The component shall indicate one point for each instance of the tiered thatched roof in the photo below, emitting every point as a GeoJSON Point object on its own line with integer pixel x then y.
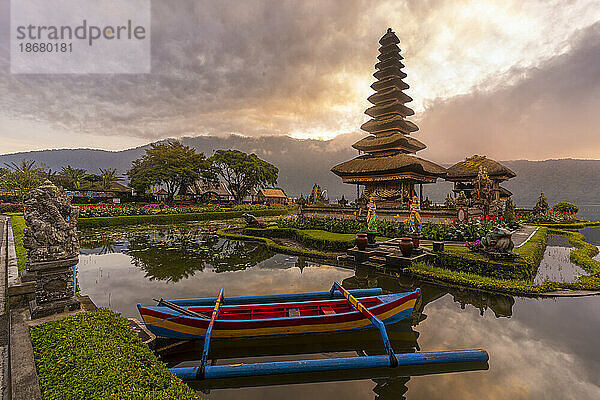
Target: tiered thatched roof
{"type": "Point", "coordinates": [390, 142]}
{"type": "Point", "coordinates": [379, 167]}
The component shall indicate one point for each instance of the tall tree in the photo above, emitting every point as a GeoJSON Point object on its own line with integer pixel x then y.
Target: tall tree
{"type": "Point", "coordinates": [170, 164]}
{"type": "Point", "coordinates": [243, 172]}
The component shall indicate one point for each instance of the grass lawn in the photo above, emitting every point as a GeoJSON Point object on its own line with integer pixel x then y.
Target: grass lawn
{"type": "Point", "coordinates": [96, 355]}
{"type": "Point", "coordinates": [18, 226]}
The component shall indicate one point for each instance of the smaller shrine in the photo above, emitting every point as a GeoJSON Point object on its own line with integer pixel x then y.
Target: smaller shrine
{"type": "Point", "coordinates": [318, 195]}
{"type": "Point", "coordinates": [468, 176]}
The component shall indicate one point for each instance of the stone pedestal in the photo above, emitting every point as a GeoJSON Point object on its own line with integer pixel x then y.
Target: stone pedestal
{"type": "Point", "coordinates": [54, 289]}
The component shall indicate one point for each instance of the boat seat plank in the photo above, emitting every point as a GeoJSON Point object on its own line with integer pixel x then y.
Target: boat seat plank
{"type": "Point", "coordinates": [328, 310]}
{"type": "Point", "coordinates": [294, 312]}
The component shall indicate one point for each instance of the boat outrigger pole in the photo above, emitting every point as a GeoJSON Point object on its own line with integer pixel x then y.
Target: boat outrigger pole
{"type": "Point", "coordinates": [213, 318]}
{"type": "Point", "coordinates": [358, 306]}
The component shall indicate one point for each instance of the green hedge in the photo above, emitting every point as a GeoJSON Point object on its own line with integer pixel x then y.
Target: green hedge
{"type": "Point", "coordinates": [171, 218]}
{"type": "Point", "coordinates": [572, 226]}
{"type": "Point", "coordinates": [314, 238]}
{"type": "Point", "coordinates": [460, 258]}
{"type": "Point", "coordinates": [96, 355]}
{"type": "Point", "coordinates": [232, 234]}
{"type": "Point", "coordinates": [508, 286]}
{"type": "Point", "coordinates": [531, 252]}
{"type": "Point", "coordinates": [18, 227]}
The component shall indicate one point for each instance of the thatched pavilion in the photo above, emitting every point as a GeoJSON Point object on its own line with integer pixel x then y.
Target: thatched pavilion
{"type": "Point", "coordinates": [464, 174]}
{"type": "Point", "coordinates": [389, 170]}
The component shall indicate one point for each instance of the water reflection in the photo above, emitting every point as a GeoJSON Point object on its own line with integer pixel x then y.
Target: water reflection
{"type": "Point", "coordinates": [538, 349]}
{"type": "Point", "coordinates": [173, 254]}
{"type": "Point", "coordinates": [500, 305]}
{"type": "Point", "coordinates": [556, 266]}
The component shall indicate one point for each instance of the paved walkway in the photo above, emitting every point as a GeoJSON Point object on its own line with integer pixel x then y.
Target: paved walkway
{"type": "Point", "coordinates": [523, 234]}
{"type": "Point", "coordinates": [520, 237]}
{"type": "Point", "coordinates": [3, 314]}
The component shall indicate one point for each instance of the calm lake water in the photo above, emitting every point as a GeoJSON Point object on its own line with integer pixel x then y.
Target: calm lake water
{"type": "Point", "coordinates": [539, 349]}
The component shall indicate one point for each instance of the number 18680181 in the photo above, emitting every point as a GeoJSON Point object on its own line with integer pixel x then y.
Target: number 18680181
{"type": "Point", "coordinates": [46, 47]}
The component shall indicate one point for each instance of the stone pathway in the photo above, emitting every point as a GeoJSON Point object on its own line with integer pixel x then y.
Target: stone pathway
{"type": "Point", "coordinates": [523, 234]}
{"type": "Point", "coordinates": [3, 314]}
{"type": "Point", "coordinates": [520, 237]}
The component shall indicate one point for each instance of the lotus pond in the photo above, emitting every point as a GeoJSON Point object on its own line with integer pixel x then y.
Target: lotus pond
{"type": "Point", "coordinates": [539, 348]}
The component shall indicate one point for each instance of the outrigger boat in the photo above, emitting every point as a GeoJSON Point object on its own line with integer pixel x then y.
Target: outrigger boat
{"type": "Point", "coordinates": [286, 314]}
{"type": "Point", "coordinates": [190, 320]}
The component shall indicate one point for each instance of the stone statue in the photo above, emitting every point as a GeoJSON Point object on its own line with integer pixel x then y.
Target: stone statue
{"type": "Point", "coordinates": [414, 219]}
{"type": "Point", "coordinates": [496, 207]}
{"type": "Point", "coordinates": [50, 238]}
{"type": "Point", "coordinates": [462, 199]}
{"type": "Point", "coordinates": [371, 216]}
{"type": "Point", "coordinates": [51, 225]}
{"type": "Point", "coordinates": [498, 240]}
{"type": "Point", "coordinates": [252, 222]}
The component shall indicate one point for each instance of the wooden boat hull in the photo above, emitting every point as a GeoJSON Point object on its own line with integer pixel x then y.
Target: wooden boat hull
{"type": "Point", "coordinates": [165, 322]}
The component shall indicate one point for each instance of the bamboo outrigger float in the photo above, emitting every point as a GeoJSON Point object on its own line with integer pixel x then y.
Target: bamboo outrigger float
{"type": "Point", "coordinates": [248, 316]}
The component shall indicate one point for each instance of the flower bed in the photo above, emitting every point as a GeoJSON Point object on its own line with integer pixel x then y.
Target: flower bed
{"type": "Point", "coordinates": [109, 210]}
{"type": "Point", "coordinates": [177, 217]}
{"type": "Point", "coordinates": [471, 231]}
{"type": "Point", "coordinates": [549, 217]}
{"type": "Point", "coordinates": [96, 355]}
{"type": "Point", "coordinates": [10, 208]}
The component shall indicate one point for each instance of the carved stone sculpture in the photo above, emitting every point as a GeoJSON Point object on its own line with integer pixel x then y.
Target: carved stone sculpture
{"type": "Point", "coordinates": [51, 225]}
{"type": "Point", "coordinates": [498, 243]}
{"type": "Point", "coordinates": [253, 222]}
{"type": "Point", "coordinates": [50, 237]}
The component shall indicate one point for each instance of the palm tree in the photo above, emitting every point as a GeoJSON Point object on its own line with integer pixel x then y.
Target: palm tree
{"type": "Point", "coordinates": [109, 177]}
{"type": "Point", "coordinates": [22, 177]}
{"type": "Point", "coordinates": [75, 175]}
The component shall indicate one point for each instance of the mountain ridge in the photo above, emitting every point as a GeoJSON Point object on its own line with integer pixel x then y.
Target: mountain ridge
{"type": "Point", "coordinates": [303, 162]}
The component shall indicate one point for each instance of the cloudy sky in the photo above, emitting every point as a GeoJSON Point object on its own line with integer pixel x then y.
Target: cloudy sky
{"type": "Point", "coordinates": [510, 79]}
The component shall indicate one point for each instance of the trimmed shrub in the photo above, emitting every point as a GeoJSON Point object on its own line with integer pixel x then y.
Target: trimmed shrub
{"type": "Point", "coordinates": [96, 355]}
{"type": "Point", "coordinates": [11, 208]}
{"type": "Point", "coordinates": [563, 206]}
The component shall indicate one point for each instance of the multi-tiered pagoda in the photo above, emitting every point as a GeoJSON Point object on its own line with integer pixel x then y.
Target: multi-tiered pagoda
{"type": "Point", "coordinates": [388, 170]}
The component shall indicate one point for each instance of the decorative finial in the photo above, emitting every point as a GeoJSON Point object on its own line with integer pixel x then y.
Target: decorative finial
{"type": "Point", "coordinates": [389, 30]}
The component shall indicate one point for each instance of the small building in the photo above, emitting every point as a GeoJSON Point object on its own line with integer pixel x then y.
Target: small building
{"type": "Point", "coordinates": [210, 191]}
{"type": "Point", "coordinates": [464, 175]}
{"type": "Point", "coordinates": [271, 196]}
{"type": "Point", "coordinates": [161, 195]}
{"type": "Point", "coordinates": [116, 193]}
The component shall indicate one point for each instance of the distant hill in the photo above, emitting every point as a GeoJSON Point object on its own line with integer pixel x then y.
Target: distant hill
{"type": "Point", "coordinates": [302, 163]}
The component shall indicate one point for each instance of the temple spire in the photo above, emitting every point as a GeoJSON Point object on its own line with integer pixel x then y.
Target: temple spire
{"type": "Point", "coordinates": [388, 170]}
